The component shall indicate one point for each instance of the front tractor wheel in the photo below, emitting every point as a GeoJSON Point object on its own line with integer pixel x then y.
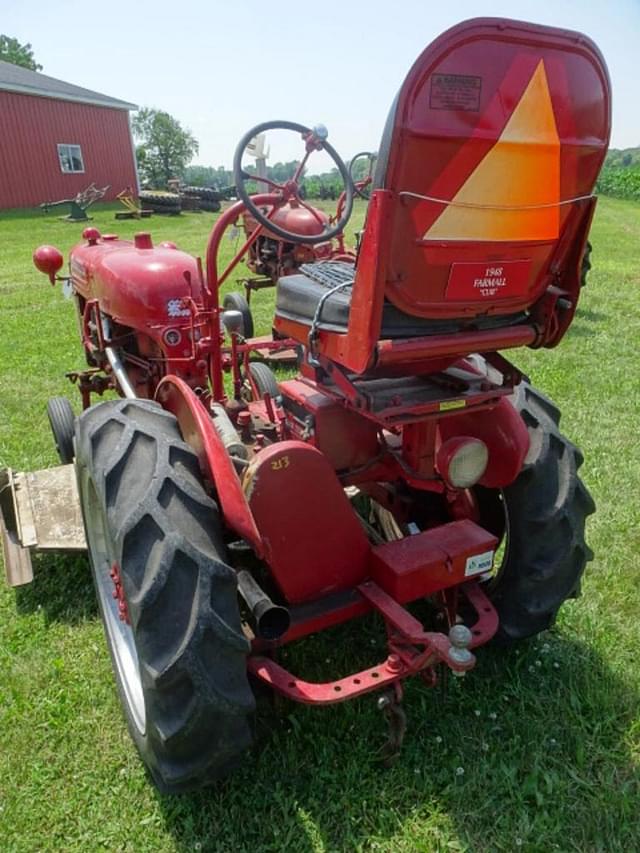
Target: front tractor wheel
{"type": "Point", "coordinates": [541, 518]}
{"type": "Point", "coordinates": [167, 597]}
{"type": "Point", "coordinates": [62, 422]}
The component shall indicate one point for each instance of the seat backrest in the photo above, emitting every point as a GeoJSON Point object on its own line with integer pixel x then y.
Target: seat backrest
{"type": "Point", "coordinates": [491, 152]}
{"type": "Point", "coordinates": [483, 196]}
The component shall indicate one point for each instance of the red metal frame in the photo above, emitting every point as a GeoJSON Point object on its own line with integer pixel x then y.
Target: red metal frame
{"type": "Point", "coordinates": [412, 651]}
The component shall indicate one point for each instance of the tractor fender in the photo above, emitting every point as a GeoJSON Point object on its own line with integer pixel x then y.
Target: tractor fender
{"type": "Point", "coordinates": [201, 435]}
{"type": "Point", "coordinates": [503, 431]}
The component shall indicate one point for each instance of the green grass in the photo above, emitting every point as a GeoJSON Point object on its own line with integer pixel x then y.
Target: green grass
{"type": "Point", "coordinates": [547, 735]}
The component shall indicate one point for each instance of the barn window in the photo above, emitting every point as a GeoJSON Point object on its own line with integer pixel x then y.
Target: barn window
{"type": "Point", "coordinates": [70, 157]}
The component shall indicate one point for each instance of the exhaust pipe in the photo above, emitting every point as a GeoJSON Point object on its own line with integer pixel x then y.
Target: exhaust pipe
{"type": "Point", "coordinates": [270, 620]}
{"type": "Point", "coordinates": [120, 373]}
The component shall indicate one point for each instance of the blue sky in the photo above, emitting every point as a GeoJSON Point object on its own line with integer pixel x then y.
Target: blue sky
{"type": "Point", "coordinates": [221, 67]}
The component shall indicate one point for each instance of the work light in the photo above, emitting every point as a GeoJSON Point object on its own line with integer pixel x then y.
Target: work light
{"type": "Point", "coordinates": [462, 461]}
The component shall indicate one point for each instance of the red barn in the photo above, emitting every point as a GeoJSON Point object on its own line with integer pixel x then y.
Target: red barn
{"type": "Point", "coordinates": [56, 139]}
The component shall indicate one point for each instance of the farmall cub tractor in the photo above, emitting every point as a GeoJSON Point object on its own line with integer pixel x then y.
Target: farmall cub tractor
{"type": "Point", "coordinates": [408, 459]}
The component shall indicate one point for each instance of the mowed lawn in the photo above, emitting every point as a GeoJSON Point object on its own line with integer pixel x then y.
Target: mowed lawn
{"type": "Point", "coordinates": [538, 749]}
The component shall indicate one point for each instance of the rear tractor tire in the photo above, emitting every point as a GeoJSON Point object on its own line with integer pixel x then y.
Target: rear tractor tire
{"type": "Point", "coordinates": [62, 421]}
{"type": "Point", "coordinates": [209, 206]}
{"type": "Point", "coordinates": [542, 515]}
{"type": "Point", "coordinates": [173, 628]}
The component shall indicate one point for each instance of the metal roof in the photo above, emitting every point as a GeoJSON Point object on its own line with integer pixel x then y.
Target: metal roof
{"type": "Point", "coordinates": [14, 78]}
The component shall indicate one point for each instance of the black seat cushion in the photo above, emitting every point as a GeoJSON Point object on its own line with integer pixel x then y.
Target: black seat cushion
{"type": "Point", "coordinates": [298, 297]}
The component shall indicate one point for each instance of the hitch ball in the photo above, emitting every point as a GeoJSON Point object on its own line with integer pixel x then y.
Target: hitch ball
{"type": "Point", "coordinates": [460, 638]}
{"type": "Point", "coordinates": [48, 260]}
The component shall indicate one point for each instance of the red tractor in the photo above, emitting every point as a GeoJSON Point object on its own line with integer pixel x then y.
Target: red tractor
{"type": "Point", "coordinates": [408, 460]}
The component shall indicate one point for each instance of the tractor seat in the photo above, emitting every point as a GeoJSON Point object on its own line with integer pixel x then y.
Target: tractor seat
{"type": "Point", "coordinates": [298, 296]}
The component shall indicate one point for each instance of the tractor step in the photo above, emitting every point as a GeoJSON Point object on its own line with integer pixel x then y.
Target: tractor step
{"type": "Point", "coordinates": [403, 399]}
{"type": "Point", "coordinates": [39, 510]}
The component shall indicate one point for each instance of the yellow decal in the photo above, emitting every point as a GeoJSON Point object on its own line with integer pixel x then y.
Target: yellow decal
{"type": "Point", "coordinates": [452, 404]}
{"type": "Point", "coordinates": [513, 193]}
{"type": "Point", "coordinates": [279, 464]}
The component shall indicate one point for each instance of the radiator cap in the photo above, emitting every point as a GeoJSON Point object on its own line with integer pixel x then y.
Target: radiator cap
{"type": "Point", "coordinates": [142, 240]}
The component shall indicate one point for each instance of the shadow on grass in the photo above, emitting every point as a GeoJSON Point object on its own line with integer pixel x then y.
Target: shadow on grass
{"type": "Point", "coordinates": [531, 751]}
{"type": "Point", "coordinates": [591, 316]}
{"type": "Point", "coordinates": [527, 752]}
{"type": "Point", "coordinates": [581, 326]}
{"type": "Point", "coordinates": [579, 331]}
{"type": "Point", "coordinates": [62, 589]}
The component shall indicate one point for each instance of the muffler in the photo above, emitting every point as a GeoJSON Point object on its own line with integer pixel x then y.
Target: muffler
{"type": "Point", "coordinates": [270, 621]}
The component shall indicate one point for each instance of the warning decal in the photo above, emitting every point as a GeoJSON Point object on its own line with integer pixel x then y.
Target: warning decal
{"type": "Point", "coordinates": [455, 92]}
{"type": "Point", "coordinates": [472, 282]}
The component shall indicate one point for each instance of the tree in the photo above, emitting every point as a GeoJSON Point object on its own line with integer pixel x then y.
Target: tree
{"type": "Point", "coordinates": [18, 54]}
{"type": "Point", "coordinates": [207, 176]}
{"type": "Point", "coordinates": [165, 147]}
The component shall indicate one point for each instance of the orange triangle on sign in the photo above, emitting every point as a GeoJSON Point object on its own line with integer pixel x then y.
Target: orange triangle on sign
{"type": "Point", "coordinates": [504, 197]}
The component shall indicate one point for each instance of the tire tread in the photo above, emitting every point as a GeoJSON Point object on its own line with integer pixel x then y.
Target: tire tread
{"type": "Point", "coordinates": [167, 530]}
{"type": "Point", "coordinates": [547, 506]}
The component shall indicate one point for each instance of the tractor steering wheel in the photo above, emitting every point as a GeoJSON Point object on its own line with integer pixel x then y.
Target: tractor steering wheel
{"type": "Point", "coordinates": [360, 187]}
{"type": "Point", "coordinates": [314, 140]}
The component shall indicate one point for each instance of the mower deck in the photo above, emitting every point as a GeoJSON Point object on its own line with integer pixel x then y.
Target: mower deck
{"type": "Point", "coordinates": [259, 346]}
{"type": "Point", "coordinates": [39, 510]}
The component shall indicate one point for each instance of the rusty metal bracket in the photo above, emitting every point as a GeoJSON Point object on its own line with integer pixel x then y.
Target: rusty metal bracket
{"type": "Point", "coordinates": [389, 704]}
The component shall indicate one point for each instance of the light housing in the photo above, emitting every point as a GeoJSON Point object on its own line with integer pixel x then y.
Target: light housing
{"type": "Point", "coordinates": [232, 321]}
{"type": "Point", "coordinates": [48, 260]}
{"type": "Point", "coordinates": [462, 461]}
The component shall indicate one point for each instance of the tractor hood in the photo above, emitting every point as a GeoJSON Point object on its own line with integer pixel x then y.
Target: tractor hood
{"type": "Point", "coordinates": [295, 218]}
{"type": "Point", "coordinates": [135, 281]}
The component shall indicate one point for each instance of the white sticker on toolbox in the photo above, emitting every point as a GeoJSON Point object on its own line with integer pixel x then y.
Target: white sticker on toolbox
{"type": "Point", "coordinates": [478, 564]}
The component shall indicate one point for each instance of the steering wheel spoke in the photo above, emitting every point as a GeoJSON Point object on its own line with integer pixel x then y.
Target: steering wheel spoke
{"type": "Point", "coordinates": [311, 210]}
{"type": "Point", "coordinates": [247, 176]}
{"type": "Point", "coordinates": [300, 170]}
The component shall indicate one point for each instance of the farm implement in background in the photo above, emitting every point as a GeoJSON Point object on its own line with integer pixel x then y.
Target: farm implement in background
{"type": "Point", "coordinates": [78, 205]}
{"type": "Point", "coordinates": [132, 208]}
